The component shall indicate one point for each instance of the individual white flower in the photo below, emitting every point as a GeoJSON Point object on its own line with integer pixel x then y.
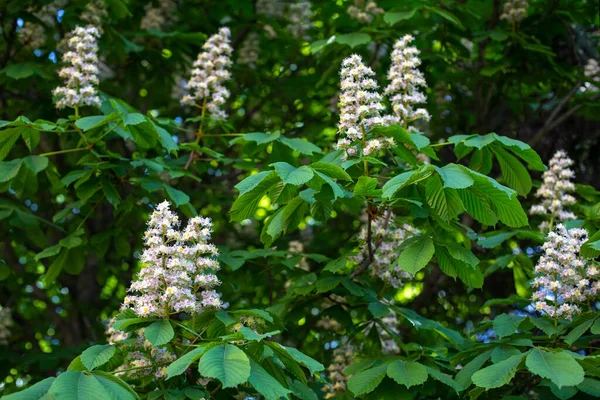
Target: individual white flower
{"type": "Point", "coordinates": [342, 357]}
{"type": "Point", "coordinates": [364, 11]}
{"type": "Point", "coordinates": [555, 190]}
{"type": "Point", "coordinates": [160, 17]}
{"type": "Point", "coordinates": [299, 15]}
{"type": "Point", "coordinates": [514, 11]}
{"type": "Point", "coordinates": [249, 50]}
{"type": "Point", "coordinates": [81, 76]}
{"type": "Point", "coordinates": [564, 280]}
{"type": "Point", "coordinates": [6, 323]}
{"type": "Point", "coordinates": [386, 236]}
{"type": "Point", "coordinates": [360, 106]}
{"type": "Point", "coordinates": [211, 71]}
{"type": "Point", "coordinates": [179, 268]}
{"type": "Point", "coordinates": [94, 13]}
{"type": "Point", "coordinates": [405, 81]}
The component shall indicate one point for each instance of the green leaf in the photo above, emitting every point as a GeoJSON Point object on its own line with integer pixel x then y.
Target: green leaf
{"type": "Point", "coordinates": [226, 363]}
{"type": "Point", "coordinates": [407, 373]}
{"type": "Point", "coordinates": [445, 202]}
{"type": "Point", "coordinates": [225, 318]}
{"type": "Point", "coordinates": [9, 169]}
{"type": "Point", "coordinates": [36, 163]}
{"type": "Point", "coordinates": [407, 178]}
{"type": "Point", "coordinates": [353, 39]}
{"type": "Point", "coordinates": [596, 327]}
{"type": "Point", "coordinates": [77, 385]}
{"type": "Point", "coordinates": [506, 325]}
{"type": "Point", "coordinates": [366, 186]}
{"type": "Point", "coordinates": [313, 365]}
{"type": "Point", "coordinates": [97, 355]}
{"type": "Point", "coordinates": [463, 377]}
{"type": "Point", "coordinates": [37, 391]}
{"type": "Point", "coordinates": [252, 181]}
{"type": "Point", "coordinates": [578, 331]}
{"type": "Point", "coordinates": [71, 241]}
{"type": "Point", "coordinates": [301, 146]}
{"type": "Point", "coordinates": [504, 352]}
{"type": "Point", "coordinates": [417, 255]}
{"type": "Point", "coordinates": [177, 196]}
{"type": "Point", "coordinates": [561, 368]}
{"type": "Point", "coordinates": [590, 386]}
{"type": "Point", "coordinates": [448, 16]}
{"type": "Point", "coordinates": [513, 171]}
{"type": "Point", "coordinates": [499, 374]}
{"type": "Point", "coordinates": [366, 381]}
{"type": "Point", "coordinates": [292, 175]}
{"type": "Point", "coordinates": [337, 189]}
{"type": "Point", "coordinates": [252, 335]}
{"type": "Point", "coordinates": [302, 391]}
{"type": "Point", "coordinates": [31, 137]}
{"type": "Point", "coordinates": [159, 333]}
{"type": "Point", "coordinates": [133, 119]}
{"type": "Point", "coordinates": [331, 170]}
{"type": "Point", "coordinates": [444, 378]}
{"type": "Point", "coordinates": [547, 326]}
{"type": "Point", "coordinates": [455, 177]}
{"type": "Point", "coordinates": [24, 70]}
{"type": "Point", "coordinates": [245, 205]}
{"type": "Point", "coordinates": [87, 123]}
{"type": "Point", "coordinates": [180, 365]}
{"type": "Point", "coordinates": [391, 18]}
{"type": "Point", "coordinates": [378, 310]}
{"type": "Point", "coordinates": [265, 384]}
{"type": "Point", "coordinates": [490, 241]}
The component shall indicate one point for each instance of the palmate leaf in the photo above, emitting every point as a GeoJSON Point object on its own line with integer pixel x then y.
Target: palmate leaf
{"type": "Point", "coordinates": [34, 392]}
{"type": "Point", "coordinates": [227, 363]}
{"type": "Point", "coordinates": [499, 374]}
{"type": "Point", "coordinates": [97, 356]}
{"type": "Point", "coordinates": [506, 325]}
{"type": "Point", "coordinates": [366, 381]}
{"type": "Point", "coordinates": [417, 255]}
{"type": "Point", "coordinates": [77, 385]}
{"type": "Point", "coordinates": [515, 174]}
{"type": "Point", "coordinates": [245, 205]}
{"type": "Point", "coordinates": [561, 368]}
{"type": "Point", "coordinates": [504, 149]}
{"type": "Point", "coordinates": [159, 333]}
{"type": "Point", "coordinates": [407, 373]}
{"type": "Point", "coordinates": [445, 201]}
{"type": "Point", "coordinates": [265, 383]}
{"type": "Point", "coordinates": [464, 376]}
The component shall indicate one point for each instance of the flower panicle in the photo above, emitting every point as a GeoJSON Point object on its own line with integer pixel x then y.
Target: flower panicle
{"type": "Point", "coordinates": [81, 76]}
{"type": "Point", "coordinates": [361, 108]}
{"type": "Point", "coordinates": [180, 268]}
{"type": "Point", "coordinates": [386, 236]}
{"type": "Point", "coordinates": [364, 11]}
{"type": "Point", "coordinates": [564, 280]}
{"type": "Point", "coordinates": [405, 82]}
{"type": "Point", "coordinates": [554, 192]}
{"type": "Point", "coordinates": [514, 11]}
{"type": "Point", "coordinates": [210, 73]}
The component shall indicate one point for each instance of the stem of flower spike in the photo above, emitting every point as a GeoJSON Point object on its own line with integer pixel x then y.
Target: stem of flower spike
{"type": "Point", "coordinates": [199, 135]}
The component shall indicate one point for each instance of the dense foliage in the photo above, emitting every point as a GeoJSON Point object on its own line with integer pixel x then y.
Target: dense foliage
{"type": "Point", "coordinates": [329, 199]}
